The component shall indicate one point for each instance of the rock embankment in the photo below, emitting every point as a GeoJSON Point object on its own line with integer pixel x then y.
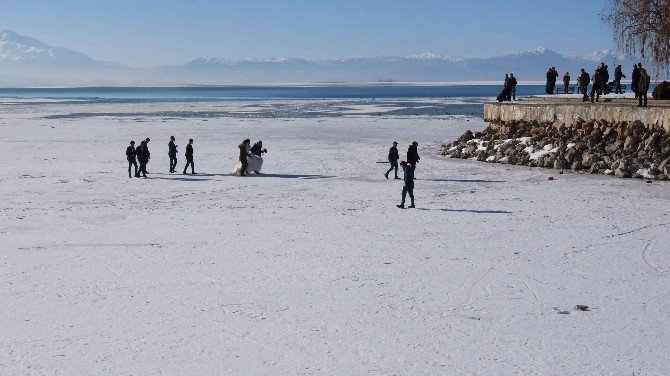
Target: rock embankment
{"type": "Point", "coordinates": [622, 149]}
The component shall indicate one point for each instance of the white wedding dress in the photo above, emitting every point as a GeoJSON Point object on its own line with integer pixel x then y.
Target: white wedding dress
{"type": "Point", "coordinates": [255, 163]}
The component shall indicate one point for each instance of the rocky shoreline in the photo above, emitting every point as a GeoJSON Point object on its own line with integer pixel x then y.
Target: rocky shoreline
{"type": "Point", "coordinates": [622, 149]}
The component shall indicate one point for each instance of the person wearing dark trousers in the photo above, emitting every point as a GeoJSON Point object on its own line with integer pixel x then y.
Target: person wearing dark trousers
{"type": "Point", "coordinates": [597, 87]}
{"type": "Point", "coordinates": [512, 86]}
{"type": "Point", "coordinates": [146, 147]}
{"type": "Point", "coordinates": [618, 75]}
{"type": "Point", "coordinates": [566, 82]}
{"type": "Point", "coordinates": [243, 156]}
{"type": "Point", "coordinates": [643, 87]}
{"type": "Point", "coordinates": [408, 188]}
{"type": "Point", "coordinates": [132, 160]}
{"type": "Point", "coordinates": [143, 157]}
{"type": "Point", "coordinates": [413, 154]}
{"type": "Point", "coordinates": [172, 153]}
{"type": "Point", "coordinates": [189, 157]}
{"type": "Point", "coordinates": [584, 80]}
{"type": "Point", "coordinates": [635, 79]}
{"type": "Point", "coordinates": [393, 160]}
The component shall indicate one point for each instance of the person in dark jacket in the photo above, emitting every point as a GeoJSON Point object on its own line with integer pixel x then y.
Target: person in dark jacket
{"type": "Point", "coordinates": [552, 75]}
{"type": "Point", "coordinates": [132, 160]}
{"type": "Point", "coordinates": [598, 84]}
{"type": "Point", "coordinates": [618, 75]}
{"type": "Point", "coordinates": [143, 157]}
{"type": "Point", "coordinates": [189, 157]}
{"type": "Point", "coordinates": [512, 86]}
{"type": "Point", "coordinates": [643, 87]}
{"type": "Point", "coordinates": [566, 81]}
{"type": "Point", "coordinates": [172, 153]}
{"type": "Point", "coordinates": [584, 80]}
{"type": "Point", "coordinates": [408, 188]}
{"type": "Point", "coordinates": [605, 72]}
{"type": "Point", "coordinates": [243, 156]}
{"type": "Point", "coordinates": [393, 160]}
{"type": "Point", "coordinates": [635, 79]}
{"type": "Point", "coordinates": [146, 147]}
{"type": "Point", "coordinates": [257, 149]}
{"type": "Point", "coordinates": [413, 154]}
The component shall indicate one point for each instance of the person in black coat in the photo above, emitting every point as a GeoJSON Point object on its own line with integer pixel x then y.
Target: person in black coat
{"type": "Point", "coordinates": [393, 160]}
{"type": "Point", "coordinates": [243, 156]}
{"type": "Point", "coordinates": [132, 160]}
{"type": "Point", "coordinates": [172, 153]}
{"type": "Point", "coordinates": [143, 157]}
{"type": "Point", "coordinates": [598, 84]}
{"type": "Point", "coordinates": [413, 154]}
{"type": "Point", "coordinates": [257, 149]}
{"type": "Point", "coordinates": [584, 80]}
{"type": "Point", "coordinates": [146, 147]}
{"type": "Point", "coordinates": [635, 78]}
{"type": "Point", "coordinates": [512, 86]}
{"type": "Point", "coordinates": [408, 188]}
{"type": "Point", "coordinates": [189, 157]}
{"type": "Point", "coordinates": [618, 75]}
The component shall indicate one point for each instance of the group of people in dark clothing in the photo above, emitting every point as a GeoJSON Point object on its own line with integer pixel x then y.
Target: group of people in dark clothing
{"type": "Point", "coordinates": [250, 158]}
{"type": "Point", "coordinates": [142, 155]}
{"type": "Point", "coordinates": [408, 168]}
{"type": "Point", "coordinates": [509, 89]}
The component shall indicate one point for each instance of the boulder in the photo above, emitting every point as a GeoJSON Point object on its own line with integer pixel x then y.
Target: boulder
{"type": "Point", "coordinates": [662, 91]}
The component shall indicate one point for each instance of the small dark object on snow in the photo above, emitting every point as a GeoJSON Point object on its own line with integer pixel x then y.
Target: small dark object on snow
{"type": "Point", "coordinates": [580, 307]}
{"type": "Point", "coordinates": [649, 181]}
{"type": "Point", "coordinates": [550, 178]}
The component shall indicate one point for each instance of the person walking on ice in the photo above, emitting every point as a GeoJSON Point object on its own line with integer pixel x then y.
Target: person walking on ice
{"type": "Point", "coordinates": [408, 188]}
{"type": "Point", "coordinates": [132, 159]}
{"type": "Point", "coordinates": [393, 160]}
{"type": "Point", "coordinates": [189, 157]}
{"type": "Point", "coordinates": [172, 153]}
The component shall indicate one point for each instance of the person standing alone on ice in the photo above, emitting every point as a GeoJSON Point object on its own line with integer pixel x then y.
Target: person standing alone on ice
{"type": "Point", "coordinates": [408, 188]}
{"type": "Point", "coordinates": [189, 157]}
{"type": "Point", "coordinates": [172, 153]}
{"type": "Point", "coordinates": [393, 160]}
{"type": "Point", "coordinates": [244, 153]}
{"type": "Point", "coordinates": [132, 160]}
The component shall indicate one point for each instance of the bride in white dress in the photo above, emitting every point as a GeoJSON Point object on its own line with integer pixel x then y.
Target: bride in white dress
{"type": "Point", "coordinates": [253, 156]}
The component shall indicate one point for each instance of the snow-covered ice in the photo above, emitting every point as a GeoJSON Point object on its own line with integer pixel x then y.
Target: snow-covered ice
{"type": "Point", "coordinates": [311, 269]}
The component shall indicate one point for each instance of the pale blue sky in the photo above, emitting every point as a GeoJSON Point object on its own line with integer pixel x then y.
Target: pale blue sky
{"type": "Point", "coordinates": [157, 32]}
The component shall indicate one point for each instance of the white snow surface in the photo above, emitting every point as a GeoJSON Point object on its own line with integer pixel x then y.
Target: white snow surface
{"type": "Point", "coordinates": [310, 269]}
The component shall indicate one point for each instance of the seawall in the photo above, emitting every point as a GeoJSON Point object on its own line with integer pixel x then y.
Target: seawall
{"type": "Point", "coordinates": [568, 112]}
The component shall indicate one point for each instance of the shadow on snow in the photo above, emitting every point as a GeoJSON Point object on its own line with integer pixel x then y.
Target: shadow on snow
{"type": "Point", "coordinates": [471, 211]}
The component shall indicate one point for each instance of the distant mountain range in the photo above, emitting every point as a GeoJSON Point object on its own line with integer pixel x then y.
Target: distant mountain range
{"type": "Point", "coordinates": [27, 62]}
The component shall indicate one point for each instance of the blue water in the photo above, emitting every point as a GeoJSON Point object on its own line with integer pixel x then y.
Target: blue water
{"type": "Point", "coordinates": [207, 93]}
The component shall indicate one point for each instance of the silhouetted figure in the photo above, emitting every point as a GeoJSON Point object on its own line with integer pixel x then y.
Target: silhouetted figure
{"type": "Point", "coordinates": [512, 85]}
{"type": "Point", "coordinates": [189, 157]}
{"type": "Point", "coordinates": [584, 80]}
{"type": "Point", "coordinates": [393, 160]}
{"type": "Point", "coordinates": [643, 87]}
{"type": "Point", "coordinates": [243, 156]}
{"type": "Point", "coordinates": [172, 153]}
{"type": "Point", "coordinates": [635, 80]}
{"type": "Point", "coordinates": [146, 147]}
{"type": "Point", "coordinates": [598, 84]}
{"type": "Point", "coordinates": [143, 157]}
{"type": "Point", "coordinates": [552, 75]}
{"type": "Point", "coordinates": [413, 154]}
{"type": "Point", "coordinates": [132, 160]}
{"type": "Point", "coordinates": [566, 81]}
{"type": "Point", "coordinates": [408, 188]}
{"type": "Point", "coordinates": [257, 157]}
{"type": "Point", "coordinates": [618, 75]}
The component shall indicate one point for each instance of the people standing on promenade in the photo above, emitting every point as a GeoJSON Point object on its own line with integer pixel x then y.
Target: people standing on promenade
{"type": "Point", "coordinates": [606, 74]}
{"type": "Point", "coordinates": [393, 160]}
{"type": "Point", "coordinates": [512, 85]}
{"type": "Point", "coordinates": [143, 157]}
{"type": "Point", "coordinates": [635, 78]}
{"type": "Point", "coordinates": [131, 157]}
{"type": "Point", "coordinates": [413, 154]}
{"type": "Point", "coordinates": [618, 75]}
{"type": "Point", "coordinates": [408, 188]}
{"type": "Point", "coordinates": [566, 81]}
{"type": "Point", "coordinates": [172, 153]}
{"type": "Point", "coordinates": [189, 157]}
{"type": "Point", "coordinates": [584, 80]}
{"type": "Point", "coordinates": [643, 87]}
{"type": "Point", "coordinates": [552, 75]}
{"type": "Point", "coordinates": [146, 147]}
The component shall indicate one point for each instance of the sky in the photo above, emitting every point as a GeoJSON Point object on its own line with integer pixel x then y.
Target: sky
{"type": "Point", "coordinates": [164, 32]}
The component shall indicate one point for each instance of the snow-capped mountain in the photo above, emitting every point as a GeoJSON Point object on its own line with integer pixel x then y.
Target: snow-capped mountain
{"type": "Point", "coordinates": [19, 49]}
{"type": "Point", "coordinates": [26, 61]}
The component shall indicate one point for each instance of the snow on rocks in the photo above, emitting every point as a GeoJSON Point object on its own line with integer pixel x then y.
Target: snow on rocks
{"type": "Point", "coordinates": [626, 150]}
